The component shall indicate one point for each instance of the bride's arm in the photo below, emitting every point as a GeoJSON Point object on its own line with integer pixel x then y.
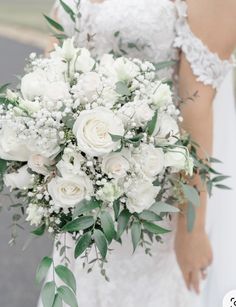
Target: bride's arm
{"type": "Point", "coordinates": [214, 22]}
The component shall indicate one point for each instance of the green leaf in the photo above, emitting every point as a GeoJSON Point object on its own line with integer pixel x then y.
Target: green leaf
{"type": "Point", "coordinates": [152, 124]}
{"type": "Point", "coordinates": [83, 243]}
{"type": "Point", "coordinates": [116, 208]}
{"type": "Point", "coordinates": [161, 207]}
{"type": "Point", "coordinates": [116, 138]}
{"type": "Point", "coordinates": [153, 228]}
{"type": "Point", "coordinates": [149, 216]}
{"type": "Point", "coordinates": [3, 88]}
{"type": "Point", "coordinates": [54, 24]}
{"type": "Point", "coordinates": [214, 160]}
{"type": "Point", "coordinates": [80, 223]}
{"type": "Point", "coordinates": [220, 178]}
{"type": "Point", "coordinates": [165, 64]}
{"type": "Point", "coordinates": [101, 242]}
{"type": "Point", "coordinates": [57, 301]}
{"type": "Point", "coordinates": [66, 276]}
{"type": "Point", "coordinates": [3, 166]}
{"type": "Point", "coordinates": [123, 221]}
{"type": "Point", "coordinates": [191, 216]}
{"type": "Point", "coordinates": [42, 269]}
{"type": "Point", "coordinates": [68, 296]}
{"type": "Point", "coordinates": [39, 231]}
{"type": "Point", "coordinates": [69, 121]}
{"type": "Point", "coordinates": [108, 226]}
{"type": "Point", "coordinates": [48, 294]}
{"type": "Point", "coordinates": [68, 10]}
{"type": "Point", "coordinates": [223, 187]}
{"type": "Point", "coordinates": [86, 206]}
{"type": "Point", "coordinates": [136, 234]}
{"type": "Point", "coordinates": [191, 194]}
{"type": "Point", "coordinates": [122, 89]}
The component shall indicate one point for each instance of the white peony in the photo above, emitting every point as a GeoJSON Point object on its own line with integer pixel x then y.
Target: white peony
{"type": "Point", "coordinates": [162, 96]}
{"type": "Point", "coordinates": [178, 159]}
{"type": "Point", "coordinates": [116, 164]}
{"type": "Point", "coordinates": [150, 159]}
{"type": "Point", "coordinates": [34, 84]}
{"type": "Point", "coordinates": [110, 192]}
{"type": "Point", "coordinates": [84, 62]}
{"type": "Point", "coordinates": [166, 130]}
{"type": "Point", "coordinates": [11, 148]}
{"type": "Point", "coordinates": [38, 164]}
{"type": "Point", "coordinates": [141, 195]}
{"type": "Point", "coordinates": [34, 214]}
{"type": "Point", "coordinates": [22, 179]}
{"type": "Point", "coordinates": [93, 129]}
{"type": "Point", "coordinates": [138, 112]}
{"type": "Point", "coordinates": [67, 191]}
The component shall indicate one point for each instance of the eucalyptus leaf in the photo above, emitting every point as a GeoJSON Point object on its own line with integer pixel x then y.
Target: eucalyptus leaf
{"type": "Point", "coordinates": [48, 294]}
{"type": "Point", "coordinates": [191, 216]}
{"type": "Point", "coordinates": [162, 207]}
{"type": "Point", "coordinates": [165, 64]}
{"type": "Point", "coordinates": [42, 269]}
{"type": "Point", "coordinates": [54, 23]}
{"type": "Point", "coordinates": [122, 89]}
{"type": "Point", "coordinates": [153, 228]}
{"type": "Point", "coordinates": [68, 10]}
{"type": "Point", "coordinates": [40, 230]}
{"type": "Point", "coordinates": [101, 242]}
{"type": "Point", "coordinates": [222, 186]}
{"type": "Point", "coordinates": [220, 178]}
{"type": "Point", "coordinates": [86, 206]}
{"type": "Point", "coordinates": [108, 226]}
{"type": "Point", "coordinates": [149, 216]}
{"type": "Point", "coordinates": [116, 208]}
{"type": "Point", "coordinates": [57, 301]}
{"type": "Point", "coordinates": [3, 166]}
{"type": "Point", "coordinates": [67, 296]}
{"type": "Point", "coordinates": [116, 138]}
{"type": "Point", "coordinates": [66, 276]}
{"type": "Point", "coordinates": [3, 88]}
{"type": "Point", "coordinates": [191, 194]}
{"type": "Point", "coordinates": [152, 124]}
{"type": "Point", "coordinates": [83, 243]}
{"type": "Point", "coordinates": [123, 221]}
{"type": "Point", "coordinates": [136, 234]}
{"type": "Point", "coordinates": [80, 223]}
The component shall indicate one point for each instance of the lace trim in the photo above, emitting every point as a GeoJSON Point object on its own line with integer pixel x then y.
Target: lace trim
{"type": "Point", "coordinates": [206, 65]}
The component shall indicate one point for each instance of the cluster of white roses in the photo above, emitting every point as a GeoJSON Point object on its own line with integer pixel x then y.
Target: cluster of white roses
{"type": "Point", "coordinates": [82, 129]}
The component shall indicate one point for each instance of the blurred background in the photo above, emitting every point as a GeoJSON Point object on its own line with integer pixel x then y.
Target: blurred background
{"type": "Point", "coordinates": [22, 30]}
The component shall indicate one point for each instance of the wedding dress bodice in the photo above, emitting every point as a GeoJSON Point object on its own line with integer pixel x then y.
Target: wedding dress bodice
{"type": "Point", "coordinates": [145, 29]}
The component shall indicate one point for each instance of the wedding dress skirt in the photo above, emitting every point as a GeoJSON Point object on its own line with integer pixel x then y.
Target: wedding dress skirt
{"type": "Point", "coordinates": [157, 27]}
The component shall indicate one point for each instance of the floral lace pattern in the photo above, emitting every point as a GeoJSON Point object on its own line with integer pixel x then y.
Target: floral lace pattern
{"type": "Point", "coordinates": [206, 65]}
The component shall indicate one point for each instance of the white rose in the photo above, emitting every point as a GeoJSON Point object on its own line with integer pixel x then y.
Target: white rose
{"type": "Point", "coordinates": [57, 91]}
{"type": "Point", "coordinates": [178, 159]}
{"type": "Point", "coordinates": [34, 214]}
{"type": "Point", "coordinates": [162, 96]}
{"type": "Point", "coordinates": [34, 84]}
{"type": "Point", "coordinates": [38, 164]}
{"type": "Point", "coordinates": [67, 191]}
{"type": "Point", "coordinates": [141, 195]}
{"type": "Point", "coordinates": [125, 69]}
{"type": "Point", "coordinates": [116, 164]}
{"type": "Point", "coordinates": [110, 192]}
{"type": "Point", "coordinates": [150, 159]}
{"type": "Point", "coordinates": [19, 180]}
{"type": "Point", "coordinates": [93, 128]}
{"type": "Point", "coordinates": [88, 85]}
{"type": "Point", "coordinates": [166, 130]}
{"type": "Point", "coordinates": [139, 112]}
{"type": "Point", "coordinates": [10, 146]}
{"type": "Point", "coordinates": [71, 162]}
{"type": "Point", "coordinates": [84, 62]}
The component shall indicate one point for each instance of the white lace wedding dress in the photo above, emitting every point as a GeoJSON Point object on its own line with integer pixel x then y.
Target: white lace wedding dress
{"type": "Point", "coordinates": [151, 29]}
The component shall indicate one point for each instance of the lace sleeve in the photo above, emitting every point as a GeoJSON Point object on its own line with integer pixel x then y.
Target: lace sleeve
{"type": "Point", "coordinates": [206, 65]}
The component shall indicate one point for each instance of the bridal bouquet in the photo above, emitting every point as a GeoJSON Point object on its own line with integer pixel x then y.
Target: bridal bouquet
{"type": "Point", "coordinates": [93, 148]}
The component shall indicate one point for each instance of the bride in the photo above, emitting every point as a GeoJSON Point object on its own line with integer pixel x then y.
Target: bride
{"type": "Point", "coordinates": [201, 35]}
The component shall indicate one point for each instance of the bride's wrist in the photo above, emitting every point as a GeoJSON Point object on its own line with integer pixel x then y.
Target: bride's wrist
{"type": "Point", "coordinates": [182, 225]}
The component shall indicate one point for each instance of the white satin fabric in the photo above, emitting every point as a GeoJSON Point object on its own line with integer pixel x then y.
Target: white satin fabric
{"type": "Point", "coordinates": [139, 280]}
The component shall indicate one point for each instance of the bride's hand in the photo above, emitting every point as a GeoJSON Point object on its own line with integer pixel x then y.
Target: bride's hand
{"type": "Point", "coordinates": [194, 255]}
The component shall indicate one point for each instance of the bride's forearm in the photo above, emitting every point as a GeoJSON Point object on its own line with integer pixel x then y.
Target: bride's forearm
{"type": "Point", "coordinates": [198, 121]}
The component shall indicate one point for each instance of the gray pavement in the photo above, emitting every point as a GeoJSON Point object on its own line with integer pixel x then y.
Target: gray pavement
{"type": "Point", "coordinates": [17, 267]}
